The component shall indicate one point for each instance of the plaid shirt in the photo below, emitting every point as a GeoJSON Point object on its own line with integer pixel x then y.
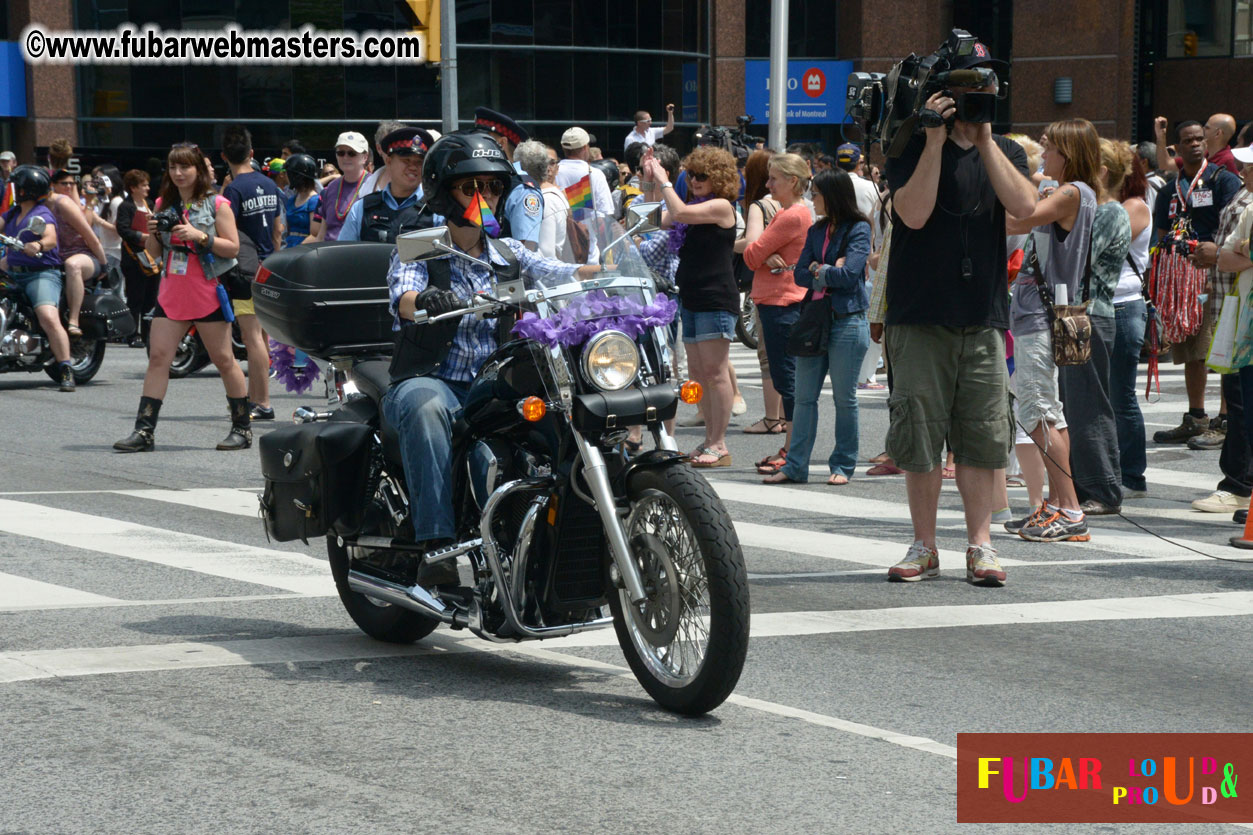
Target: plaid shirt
{"type": "Point", "coordinates": [1221, 282]}
{"type": "Point", "coordinates": [879, 290]}
{"type": "Point", "coordinates": [655, 250]}
{"type": "Point", "coordinates": [475, 338]}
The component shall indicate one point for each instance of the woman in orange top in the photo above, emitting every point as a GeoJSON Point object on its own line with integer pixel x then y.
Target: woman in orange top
{"type": "Point", "coordinates": [772, 256]}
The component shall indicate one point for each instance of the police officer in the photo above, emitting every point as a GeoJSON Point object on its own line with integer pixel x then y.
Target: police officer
{"type": "Point", "coordinates": [399, 207]}
{"type": "Point", "coordinates": [524, 205]}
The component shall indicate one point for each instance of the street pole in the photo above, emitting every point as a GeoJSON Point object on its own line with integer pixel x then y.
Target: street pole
{"type": "Point", "coordinates": [778, 75]}
{"type": "Point", "coordinates": [448, 64]}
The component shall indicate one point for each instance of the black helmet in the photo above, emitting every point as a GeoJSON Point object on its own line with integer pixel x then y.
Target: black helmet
{"type": "Point", "coordinates": [300, 165]}
{"type": "Point", "coordinates": [610, 169]}
{"type": "Point", "coordinates": [457, 155]}
{"type": "Point", "coordinates": [30, 182]}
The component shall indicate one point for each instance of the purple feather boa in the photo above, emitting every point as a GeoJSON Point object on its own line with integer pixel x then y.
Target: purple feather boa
{"type": "Point", "coordinates": [594, 313]}
{"type": "Point", "coordinates": [295, 380]}
{"type": "Point", "coordinates": [678, 231]}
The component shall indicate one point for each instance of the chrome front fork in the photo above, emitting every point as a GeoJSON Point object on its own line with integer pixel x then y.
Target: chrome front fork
{"type": "Point", "coordinates": [596, 474]}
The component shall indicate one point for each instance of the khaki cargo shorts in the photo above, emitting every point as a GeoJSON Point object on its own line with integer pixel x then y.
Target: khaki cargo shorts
{"type": "Point", "coordinates": [948, 383]}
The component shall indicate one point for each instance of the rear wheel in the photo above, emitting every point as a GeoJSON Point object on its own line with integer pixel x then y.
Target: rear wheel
{"type": "Point", "coordinates": [686, 642]}
{"type": "Point", "coordinates": [746, 325]}
{"type": "Point", "coordinates": [381, 621]}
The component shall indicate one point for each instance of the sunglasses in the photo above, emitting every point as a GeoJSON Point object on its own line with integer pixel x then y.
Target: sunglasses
{"type": "Point", "coordinates": [348, 153]}
{"type": "Point", "coordinates": [492, 187]}
{"type": "Point", "coordinates": [699, 178]}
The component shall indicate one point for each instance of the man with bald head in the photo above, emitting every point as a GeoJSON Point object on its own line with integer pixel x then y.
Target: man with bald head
{"type": "Point", "coordinates": [1219, 129]}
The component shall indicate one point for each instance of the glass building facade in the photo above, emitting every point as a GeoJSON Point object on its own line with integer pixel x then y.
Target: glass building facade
{"type": "Point", "coordinates": [547, 63]}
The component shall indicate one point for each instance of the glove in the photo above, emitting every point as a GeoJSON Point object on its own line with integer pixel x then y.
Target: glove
{"type": "Point", "coordinates": [437, 302]}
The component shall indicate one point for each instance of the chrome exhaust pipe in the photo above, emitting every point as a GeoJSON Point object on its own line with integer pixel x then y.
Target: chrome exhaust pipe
{"type": "Point", "coordinates": [415, 598]}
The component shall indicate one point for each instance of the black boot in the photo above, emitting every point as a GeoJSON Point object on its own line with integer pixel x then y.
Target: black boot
{"type": "Point", "coordinates": [241, 425]}
{"type": "Point", "coordinates": [145, 423]}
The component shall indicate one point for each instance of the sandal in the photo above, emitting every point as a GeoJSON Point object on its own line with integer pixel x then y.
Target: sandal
{"type": "Point", "coordinates": [766, 426]}
{"type": "Point", "coordinates": [633, 446]}
{"type": "Point", "coordinates": [837, 480]}
{"type": "Point", "coordinates": [881, 458]}
{"type": "Point", "coordinates": [948, 472]}
{"type": "Point", "coordinates": [884, 469]}
{"type": "Point", "coordinates": [771, 464]}
{"type": "Point", "coordinates": [74, 331]}
{"type": "Point", "coordinates": [720, 459]}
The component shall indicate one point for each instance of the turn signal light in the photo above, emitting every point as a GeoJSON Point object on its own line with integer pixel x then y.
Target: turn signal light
{"type": "Point", "coordinates": [533, 409]}
{"type": "Point", "coordinates": [691, 392]}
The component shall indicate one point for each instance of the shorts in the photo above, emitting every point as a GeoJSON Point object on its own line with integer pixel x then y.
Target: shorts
{"type": "Point", "coordinates": [216, 316]}
{"type": "Point", "coordinates": [96, 266]}
{"type": "Point", "coordinates": [42, 287]}
{"type": "Point", "coordinates": [948, 382]}
{"type": "Point", "coordinates": [243, 307]}
{"type": "Point", "coordinates": [1035, 381]}
{"type": "Point", "coordinates": [704, 325]}
{"type": "Point", "coordinates": [1196, 347]}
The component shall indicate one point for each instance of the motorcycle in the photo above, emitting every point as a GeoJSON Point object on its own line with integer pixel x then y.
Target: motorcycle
{"type": "Point", "coordinates": [746, 323]}
{"type": "Point", "coordinates": [23, 344]}
{"type": "Point", "coordinates": [560, 529]}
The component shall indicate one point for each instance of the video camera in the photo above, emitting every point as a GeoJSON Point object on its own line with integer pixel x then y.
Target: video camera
{"type": "Point", "coordinates": [891, 108]}
{"type": "Point", "coordinates": [738, 141]}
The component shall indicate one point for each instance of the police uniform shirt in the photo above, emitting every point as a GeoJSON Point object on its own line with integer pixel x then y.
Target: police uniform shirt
{"type": "Point", "coordinates": [351, 230]}
{"type": "Point", "coordinates": [524, 207]}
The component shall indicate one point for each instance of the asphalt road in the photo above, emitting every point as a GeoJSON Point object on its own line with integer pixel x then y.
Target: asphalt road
{"type": "Point", "coordinates": [164, 668]}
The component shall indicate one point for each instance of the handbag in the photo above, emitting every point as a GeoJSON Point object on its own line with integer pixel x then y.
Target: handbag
{"type": "Point", "coordinates": [1070, 325]}
{"type": "Point", "coordinates": [1222, 349]}
{"type": "Point", "coordinates": [147, 265]}
{"type": "Point", "coordinates": [811, 334]}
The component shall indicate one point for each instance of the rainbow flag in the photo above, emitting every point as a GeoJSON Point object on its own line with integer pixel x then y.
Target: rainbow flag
{"type": "Point", "coordinates": [8, 198]}
{"type": "Point", "coordinates": [480, 214]}
{"type": "Point", "coordinates": [579, 194]}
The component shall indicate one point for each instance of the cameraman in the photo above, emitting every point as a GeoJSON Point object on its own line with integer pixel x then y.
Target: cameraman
{"type": "Point", "coordinates": [947, 313]}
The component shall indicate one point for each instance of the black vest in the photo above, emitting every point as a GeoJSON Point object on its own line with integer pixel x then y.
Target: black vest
{"type": "Point", "coordinates": [380, 222]}
{"type": "Point", "coordinates": [422, 349]}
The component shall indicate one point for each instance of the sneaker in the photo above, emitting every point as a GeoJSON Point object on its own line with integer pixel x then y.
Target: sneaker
{"type": "Point", "coordinates": [982, 567]}
{"type": "Point", "coordinates": [1015, 525]}
{"type": "Point", "coordinates": [1054, 526]}
{"type": "Point", "coordinates": [1220, 501]}
{"type": "Point", "coordinates": [1002, 515]}
{"type": "Point", "coordinates": [67, 379]}
{"type": "Point", "coordinates": [1211, 438]}
{"type": "Point", "coordinates": [261, 412]}
{"type": "Point", "coordinates": [1094, 508]}
{"type": "Point", "coordinates": [738, 407]}
{"type": "Point", "coordinates": [1189, 428]}
{"type": "Point", "coordinates": [920, 563]}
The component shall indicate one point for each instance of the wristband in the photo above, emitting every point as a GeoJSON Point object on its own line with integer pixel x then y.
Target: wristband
{"type": "Point", "coordinates": [665, 186]}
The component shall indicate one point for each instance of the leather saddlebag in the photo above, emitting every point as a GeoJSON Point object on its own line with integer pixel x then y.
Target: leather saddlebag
{"type": "Point", "coordinates": [315, 475]}
{"type": "Point", "coordinates": [106, 316]}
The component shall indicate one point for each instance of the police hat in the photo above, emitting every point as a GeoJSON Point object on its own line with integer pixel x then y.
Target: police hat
{"type": "Point", "coordinates": [487, 119]}
{"type": "Point", "coordinates": [407, 142]}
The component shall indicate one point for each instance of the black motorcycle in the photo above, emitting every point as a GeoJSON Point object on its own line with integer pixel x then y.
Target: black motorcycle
{"type": "Point", "coordinates": [559, 529]}
{"type": "Point", "coordinates": [23, 344]}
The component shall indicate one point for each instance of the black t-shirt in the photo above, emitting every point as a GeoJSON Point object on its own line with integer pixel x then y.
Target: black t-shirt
{"type": "Point", "coordinates": [925, 276]}
{"type": "Point", "coordinates": [1205, 205]}
{"type": "Point", "coordinates": [255, 202]}
{"type": "Point", "coordinates": [704, 276]}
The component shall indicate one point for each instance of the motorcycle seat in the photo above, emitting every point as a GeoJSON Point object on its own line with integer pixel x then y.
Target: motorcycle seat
{"type": "Point", "coordinates": [373, 378]}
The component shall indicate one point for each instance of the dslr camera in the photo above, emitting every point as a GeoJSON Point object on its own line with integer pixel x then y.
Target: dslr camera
{"type": "Point", "coordinates": [891, 108]}
{"type": "Point", "coordinates": [167, 219]}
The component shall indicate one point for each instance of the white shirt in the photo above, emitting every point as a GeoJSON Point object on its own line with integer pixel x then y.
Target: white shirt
{"type": "Point", "coordinates": [371, 182]}
{"type": "Point", "coordinates": [552, 229]}
{"type": "Point", "coordinates": [648, 137]}
{"type": "Point", "coordinates": [109, 238]}
{"type": "Point", "coordinates": [570, 171]}
{"type": "Point", "coordinates": [868, 204]}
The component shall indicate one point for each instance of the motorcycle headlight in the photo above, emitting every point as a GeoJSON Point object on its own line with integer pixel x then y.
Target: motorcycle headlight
{"type": "Point", "coordinates": [611, 361]}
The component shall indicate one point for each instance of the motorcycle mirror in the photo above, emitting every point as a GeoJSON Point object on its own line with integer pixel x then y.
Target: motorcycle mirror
{"type": "Point", "coordinates": [37, 225]}
{"type": "Point", "coordinates": [424, 243]}
{"type": "Point", "coordinates": [645, 217]}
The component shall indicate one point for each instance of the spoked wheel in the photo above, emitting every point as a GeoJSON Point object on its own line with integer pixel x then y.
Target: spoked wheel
{"type": "Point", "coordinates": [686, 642]}
{"type": "Point", "coordinates": [86, 357]}
{"type": "Point", "coordinates": [746, 325]}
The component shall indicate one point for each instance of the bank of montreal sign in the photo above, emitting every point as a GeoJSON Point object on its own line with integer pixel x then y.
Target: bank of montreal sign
{"type": "Point", "coordinates": [815, 91]}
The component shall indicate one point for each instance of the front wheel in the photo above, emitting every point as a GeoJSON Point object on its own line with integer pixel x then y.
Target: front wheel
{"type": "Point", "coordinates": [746, 325]}
{"type": "Point", "coordinates": [686, 643]}
{"type": "Point", "coordinates": [381, 621]}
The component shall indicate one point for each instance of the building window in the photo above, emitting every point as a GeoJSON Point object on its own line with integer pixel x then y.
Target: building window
{"type": "Point", "coordinates": [1244, 27]}
{"type": "Point", "coordinates": [1198, 28]}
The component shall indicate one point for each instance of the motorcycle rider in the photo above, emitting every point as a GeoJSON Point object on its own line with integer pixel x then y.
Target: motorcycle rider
{"type": "Point", "coordinates": [434, 364]}
{"type": "Point", "coordinates": [382, 215]}
{"type": "Point", "coordinates": [35, 267]}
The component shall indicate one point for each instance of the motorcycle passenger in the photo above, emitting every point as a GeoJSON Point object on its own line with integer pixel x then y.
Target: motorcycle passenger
{"type": "Point", "coordinates": [36, 266]}
{"type": "Point", "coordinates": [434, 364]}
{"type": "Point", "coordinates": [302, 172]}
{"type": "Point", "coordinates": [382, 215]}
{"type": "Point", "coordinates": [81, 252]}
{"type": "Point", "coordinates": [202, 246]}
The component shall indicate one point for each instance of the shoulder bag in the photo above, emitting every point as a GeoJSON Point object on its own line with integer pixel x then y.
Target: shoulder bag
{"type": "Point", "coordinates": [744, 275]}
{"type": "Point", "coordinates": [811, 334]}
{"type": "Point", "coordinates": [1070, 324]}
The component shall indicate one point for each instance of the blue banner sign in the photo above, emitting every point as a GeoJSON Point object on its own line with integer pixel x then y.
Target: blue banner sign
{"type": "Point", "coordinates": [691, 93]}
{"type": "Point", "coordinates": [815, 91]}
{"type": "Point", "coordinates": [12, 80]}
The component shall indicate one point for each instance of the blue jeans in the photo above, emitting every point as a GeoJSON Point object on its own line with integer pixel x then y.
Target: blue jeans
{"type": "Point", "coordinates": [422, 410]}
{"type": "Point", "coordinates": [850, 338]}
{"type": "Point", "coordinates": [776, 324]}
{"type": "Point", "coordinates": [1130, 319]}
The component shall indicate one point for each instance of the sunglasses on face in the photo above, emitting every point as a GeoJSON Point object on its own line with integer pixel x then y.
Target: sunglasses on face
{"type": "Point", "coordinates": [492, 187]}
{"type": "Point", "coordinates": [698, 178]}
{"type": "Point", "coordinates": [339, 152]}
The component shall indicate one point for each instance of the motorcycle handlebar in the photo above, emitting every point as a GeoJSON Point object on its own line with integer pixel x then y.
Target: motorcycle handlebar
{"type": "Point", "coordinates": [16, 244]}
{"type": "Point", "coordinates": [422, 317]}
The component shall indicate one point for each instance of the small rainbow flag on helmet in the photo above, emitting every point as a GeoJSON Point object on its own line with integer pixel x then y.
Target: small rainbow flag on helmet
{"type": "Point", "coordinates": [480, 214]}
{"type": "Point", "coordinates": [579, 194]}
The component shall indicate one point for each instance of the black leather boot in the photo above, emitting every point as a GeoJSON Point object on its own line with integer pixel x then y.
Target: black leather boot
{"type": "Point", "coordinates": [145, 423]}
{"type": "Point", "coordinates": [241, 425]}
